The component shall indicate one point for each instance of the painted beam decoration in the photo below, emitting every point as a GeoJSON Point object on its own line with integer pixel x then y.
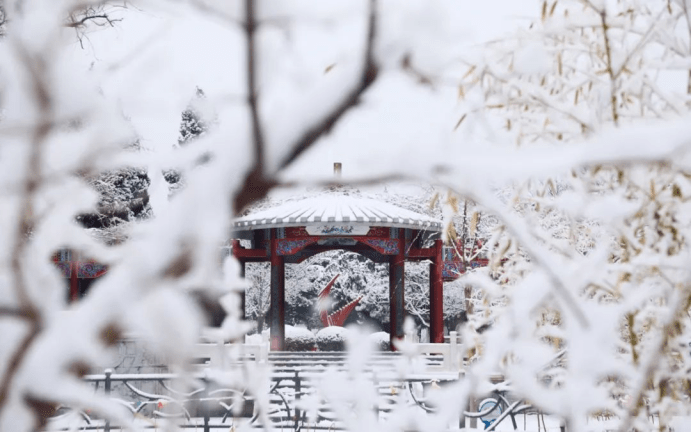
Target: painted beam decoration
{"type": "Point", "coordinates": [86, 269]}
{"type": "Point", "coordinates": [90, 270]}
{"type": "Point", "coordinates": [452, 270]}
{"type": "Point", "coordinates": [292, 246]}
{"type": "Point", "coordinates": [383, 246]}
{"type": "Point", "coordinates": [453, 266]}
{"type": "Point", "coordinates": [338, 230]}
{"type": "Point", "coordinates": [65, 268]}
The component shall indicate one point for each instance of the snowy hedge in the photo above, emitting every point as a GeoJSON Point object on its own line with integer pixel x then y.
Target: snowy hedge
{"type": "Point", "coordinates": [380, 340]}
{"type": "Point", "coordinates": [332, 338]}
{"type": "Point", "coordinates": [299, 339]}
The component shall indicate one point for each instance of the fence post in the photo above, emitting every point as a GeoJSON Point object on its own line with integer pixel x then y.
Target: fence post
{"type": "Point", "coordinates": [107, 389]}
{"type": "Point", "coordinates": [296, 410]}
{"type": "Point", "coordinates": [453, 351]}
{"type": "Point", "coordinates": [473, 408]}
{"type": "Point", "coordinates": [204, 402]}
{"type": "Point", "coordinates": [376, 408]}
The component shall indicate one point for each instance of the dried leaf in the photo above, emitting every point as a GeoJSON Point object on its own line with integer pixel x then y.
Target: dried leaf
{"type": "Point", "coordinates": [453, 202]}
{"type": "Point", "coordinates": [434, 200]}
{"type": "Point", "coordinates": [559, 63]}
{"type": "Point", "coordinates": [460, 94]}
{"type": "Point", "coordinates": [473, 224]}
{"type": "Point", "coordinates": [552, 9]}
{"type": "Point", "coordinates": [544, 10]}
{"type": "Point", "coordinates": [459, 122]}
{"type": "Point", "coordinates": [469, 72]}
{"type": "Point", "coordinates": [451, 233]}
{"type": "Point", "coordinates": [505, 249]}
{"type": "Point", "coordinates": [329, 68]}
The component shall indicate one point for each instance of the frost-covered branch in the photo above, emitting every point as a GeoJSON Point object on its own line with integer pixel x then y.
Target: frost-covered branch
{"type": "Point", "coordinates": [258, 181]}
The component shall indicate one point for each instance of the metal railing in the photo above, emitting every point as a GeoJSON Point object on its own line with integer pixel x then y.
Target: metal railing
{"type": "Point", "coordinates": [210, 406]}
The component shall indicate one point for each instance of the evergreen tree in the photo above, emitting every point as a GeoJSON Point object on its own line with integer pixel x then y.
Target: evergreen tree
{"type": "Point", "coordinates": [192, 125]}
{"type": "Point", "coordinates": [123, 197]}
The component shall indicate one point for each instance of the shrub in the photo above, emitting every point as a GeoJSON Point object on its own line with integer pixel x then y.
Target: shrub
{"type": "Point", "coordinates": [380, 341]}
{"type": "Point", "coordinates": [332, 338]}
{"type": "Point", "coordinates": [299, 339]}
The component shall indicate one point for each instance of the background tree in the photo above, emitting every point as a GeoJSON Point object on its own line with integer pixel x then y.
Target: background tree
{"type": "Point", "coordinates": [582, 70]}
{"type": "Point", "coordinates": [257, 296]}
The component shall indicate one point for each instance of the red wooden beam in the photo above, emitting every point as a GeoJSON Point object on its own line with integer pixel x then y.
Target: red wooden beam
{"type": "Point", "coordinates": [242, 253]}
{"type": "Point", "coordinates": [414, 253]}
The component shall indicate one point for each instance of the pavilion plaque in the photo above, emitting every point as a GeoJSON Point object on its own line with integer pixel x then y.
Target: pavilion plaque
{"type": "Point", "coordinates": [338, 230]}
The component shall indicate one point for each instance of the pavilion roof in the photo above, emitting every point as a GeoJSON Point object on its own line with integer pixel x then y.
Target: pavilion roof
{"type": "Point", "coordinates": [333, 209]}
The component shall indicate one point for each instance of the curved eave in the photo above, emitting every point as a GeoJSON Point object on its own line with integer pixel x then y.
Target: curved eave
{"type": "Point", "coordinates": [336, 210]}
{"type": "Point", "coordinates": [373, 222]}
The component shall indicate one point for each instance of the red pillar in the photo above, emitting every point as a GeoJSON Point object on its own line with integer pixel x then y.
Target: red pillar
{"type": "Point", "coordinates": [277, 306]}
{"type": "Point", "coordinates": [436, 308]}
{"type": "Point", "coordinates": [396, 293]}
{"type": "Point", "coordinates": [242, 294]}
{"type": "Point", "coordinates": [74, 281]}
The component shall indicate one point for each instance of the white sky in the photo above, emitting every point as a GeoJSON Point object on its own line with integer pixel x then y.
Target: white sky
{"type": "Point", "coordinates": [185, 49]}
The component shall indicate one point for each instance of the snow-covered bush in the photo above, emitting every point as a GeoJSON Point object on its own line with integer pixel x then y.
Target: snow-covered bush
{"type": "Point", "coordinates": [380, 341]}
{"type": "Point", "coordinates": [299, 339]}
{"type": "Point", "coordinates": [123, 197]}
{"type": "Point", "coordinates": [332, 338]}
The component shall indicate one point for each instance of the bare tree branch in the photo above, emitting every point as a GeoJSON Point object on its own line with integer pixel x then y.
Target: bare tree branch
{"type": "Point", "coordinates": [257, 182]}
{"type": "Point", "coordinates": [36, 69]}
{"type": "Point", "coordinates": [13, 312]}
{"type": "Point", "coordinates": [82, 22]}
{"type": "Point", "coordinates": [369, 74]}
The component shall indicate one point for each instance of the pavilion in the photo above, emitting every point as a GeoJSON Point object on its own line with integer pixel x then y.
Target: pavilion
{"type": "Point", "coordinates": [296, 230]}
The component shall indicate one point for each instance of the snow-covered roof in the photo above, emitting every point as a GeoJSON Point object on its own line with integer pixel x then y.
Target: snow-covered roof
{"type": "Point", "coordinates": [336, 208]}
